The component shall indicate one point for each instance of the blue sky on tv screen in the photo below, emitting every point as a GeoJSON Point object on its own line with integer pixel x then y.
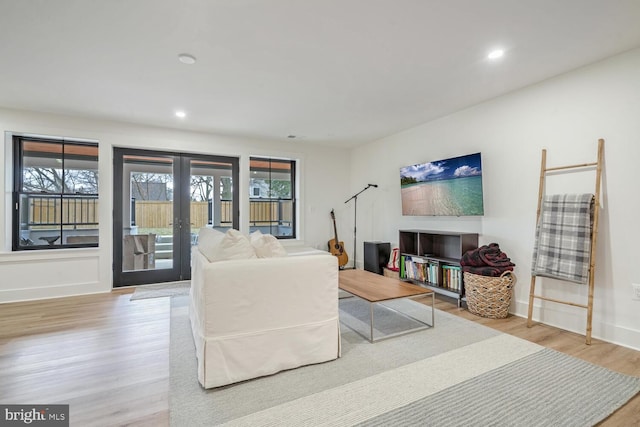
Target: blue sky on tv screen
{"type": "Point", "coordinates": [456, 167]}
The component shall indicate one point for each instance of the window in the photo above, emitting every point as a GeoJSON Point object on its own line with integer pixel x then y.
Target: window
{"type": "Point", "coordinates": [55, 194]}
{"type": "Point", "coordinates": [272, 197]}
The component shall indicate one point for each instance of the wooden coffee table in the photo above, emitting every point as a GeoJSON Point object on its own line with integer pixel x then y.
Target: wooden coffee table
{"type": "Point", "coordinates": [377, 289]}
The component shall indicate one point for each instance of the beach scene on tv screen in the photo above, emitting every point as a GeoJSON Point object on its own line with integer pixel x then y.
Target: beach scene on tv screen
{"type": "Point", "coordinates": [451, 187]}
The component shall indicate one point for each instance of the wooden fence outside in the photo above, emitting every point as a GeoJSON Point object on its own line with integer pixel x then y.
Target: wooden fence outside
{"type": "Point", "coordinates": [158, 214]}
{"type": "Point", "coordinates": [79, 212]}
{"type": "Point", "coordinates": [83, 212]}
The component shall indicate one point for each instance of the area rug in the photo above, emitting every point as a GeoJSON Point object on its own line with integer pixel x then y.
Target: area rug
{"type": "Point", "coordinates": [344, 294]}
{"type": "Point", "coordinates": [168, 289]}
{"type": "Point", "coordinates": [458, 373]}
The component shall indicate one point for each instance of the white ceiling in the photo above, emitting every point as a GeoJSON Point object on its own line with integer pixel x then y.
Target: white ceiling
{"type": "Point", "coordinates": [339, 72]}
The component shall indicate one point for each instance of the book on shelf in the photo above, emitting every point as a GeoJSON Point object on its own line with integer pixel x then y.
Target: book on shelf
{"type": "Point", "coordinates": [414, 268]}
{"type": "Point", "coordinates": [431, 271]}
{"type": "Point", "coordinates": [452, 277]}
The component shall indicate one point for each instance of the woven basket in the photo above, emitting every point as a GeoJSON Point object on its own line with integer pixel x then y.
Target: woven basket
{"type": "Point", "coordinates": [489, 296]}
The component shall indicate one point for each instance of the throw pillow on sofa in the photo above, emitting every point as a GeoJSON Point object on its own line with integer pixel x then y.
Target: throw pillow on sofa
{"type": "Point", "coordinates": [208, 241]}
{"type": "Point", "coordinates": [232, 245]}
{"type": "Point", "coordinates": [267, 245]}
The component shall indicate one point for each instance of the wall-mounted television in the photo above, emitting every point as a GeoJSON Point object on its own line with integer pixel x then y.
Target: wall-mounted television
{"type": "Point", "coordinates": [450, 187]}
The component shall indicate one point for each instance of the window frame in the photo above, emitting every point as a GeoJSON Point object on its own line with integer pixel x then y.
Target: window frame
{"type": "Point", "coordinates": [293, 199]}
{"type": "Point", "coordinates": [19, 192]}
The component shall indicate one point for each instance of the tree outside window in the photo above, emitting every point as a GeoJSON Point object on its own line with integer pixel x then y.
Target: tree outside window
{"type": "Point", "coordinates": [55, 193]}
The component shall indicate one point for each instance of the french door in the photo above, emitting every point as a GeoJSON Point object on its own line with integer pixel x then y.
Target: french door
{"type": "Point", "coordinates": [161, 200]}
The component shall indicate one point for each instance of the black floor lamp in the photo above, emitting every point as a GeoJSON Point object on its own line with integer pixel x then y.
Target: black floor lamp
{"type": "Point", "coordinates": [355, 218]}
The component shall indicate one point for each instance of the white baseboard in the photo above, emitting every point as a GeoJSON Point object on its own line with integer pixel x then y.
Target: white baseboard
{"type": "Point", "coordinates": [46, 292]}
{"type": "Point", "coordinates": [574, 320]}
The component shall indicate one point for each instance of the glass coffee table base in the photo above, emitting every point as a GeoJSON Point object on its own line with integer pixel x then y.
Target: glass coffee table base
{"type": "Point", "coordinates": [371, 338]}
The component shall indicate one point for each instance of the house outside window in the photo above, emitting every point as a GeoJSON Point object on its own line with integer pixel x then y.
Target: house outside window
{"type": "Point", "coordinates": [55, 194]}
{"type": "Point", "coordinates": [272, 197]}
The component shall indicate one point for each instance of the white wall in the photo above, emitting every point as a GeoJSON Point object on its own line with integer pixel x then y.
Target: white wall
{"type": "Point", "coordinates": [53, 273]}
{"type": "Point", "coordinates": [566, 115]}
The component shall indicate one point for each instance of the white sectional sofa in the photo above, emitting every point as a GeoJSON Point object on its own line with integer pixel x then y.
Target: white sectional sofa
{"type": "Point", "coordinates": [252, 317]}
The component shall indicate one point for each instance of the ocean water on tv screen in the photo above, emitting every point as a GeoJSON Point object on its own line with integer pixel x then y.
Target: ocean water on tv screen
{"type": "Point", "coordinates": [467, 193]}
{"type": "Point", "coordinates": [451, 197]}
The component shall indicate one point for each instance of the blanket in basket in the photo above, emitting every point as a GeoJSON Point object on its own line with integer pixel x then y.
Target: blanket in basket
{"type": "Point", "coordinates": [487, 260]}
{"type": "Point", "coordinates": [563, 237]}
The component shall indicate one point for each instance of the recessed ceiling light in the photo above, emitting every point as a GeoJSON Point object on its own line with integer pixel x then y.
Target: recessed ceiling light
{"type": "Point", "coordinates": [185, 58]}
{"type": "Point", "coordinates": [181, 114]}
{"type": "Point", "coordinates": [495, 54]}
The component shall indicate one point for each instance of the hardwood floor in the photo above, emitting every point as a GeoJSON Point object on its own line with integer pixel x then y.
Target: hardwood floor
{"type": "Point", "coordinates": [104, 355]}
{"type": "Point", "coordinates": [108, 357]}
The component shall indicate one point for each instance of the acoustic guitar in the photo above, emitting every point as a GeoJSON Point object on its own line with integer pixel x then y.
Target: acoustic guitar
{"type": "Point", "coordinates": [336, 247]}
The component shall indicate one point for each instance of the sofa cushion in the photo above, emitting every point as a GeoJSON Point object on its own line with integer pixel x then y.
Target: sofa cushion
{"type": "Point", "coordinates": [230, 245]}
{"type": "Point", "coordinates": [208, 241]}
{"type": "Point", "coordinates": [267, 245]}
{"type": "Point", "coordinates": [236, 245]}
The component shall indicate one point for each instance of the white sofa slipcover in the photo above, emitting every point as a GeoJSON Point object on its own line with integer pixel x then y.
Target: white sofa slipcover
{"type": "Point", "coordinates": [259, 316]}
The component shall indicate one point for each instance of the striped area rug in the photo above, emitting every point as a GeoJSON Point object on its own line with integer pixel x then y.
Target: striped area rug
{"type": "Point", "coordinates": [169, 289]}
{"type": "Point", "coordinates": [456, 374]}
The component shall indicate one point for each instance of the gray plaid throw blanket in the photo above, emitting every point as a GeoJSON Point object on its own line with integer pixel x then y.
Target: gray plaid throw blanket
{"type": "Point", "coordinates": [563, 237]}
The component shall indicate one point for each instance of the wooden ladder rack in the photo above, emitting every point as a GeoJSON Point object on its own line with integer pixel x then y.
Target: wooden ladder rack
{"type": "Point", "coordinates": [543, 172]}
